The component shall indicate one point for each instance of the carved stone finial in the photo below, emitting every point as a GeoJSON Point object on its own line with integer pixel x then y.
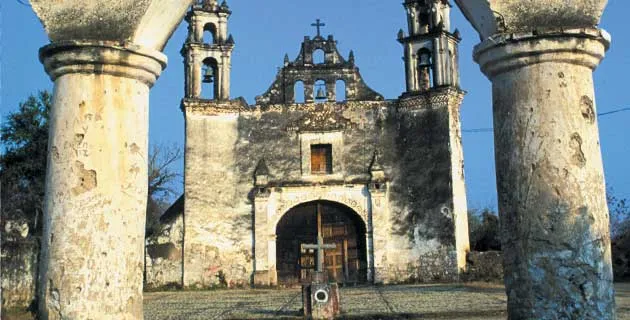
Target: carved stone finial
{"type": "Point", "coordinates": [401, 34]}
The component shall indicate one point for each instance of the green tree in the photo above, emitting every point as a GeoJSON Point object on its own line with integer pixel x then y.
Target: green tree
{"type": "Point", "coordinates": [23, 166]}
{"type": "Point", "coordinates": [483, 226]}
{"type": "Point", "coordinates": [23, 162]}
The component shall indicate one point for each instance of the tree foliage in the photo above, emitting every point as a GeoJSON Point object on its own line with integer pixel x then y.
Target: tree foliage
{"type": "Point", "coordinates": [23, 166]}
{"type": "Point", "coordinates": [619, 210]}
{"type": "Point", "coordinates": [23, 162]}
{"type": "Point", "coordinates": [161, 179]}
{"type": "Point", "coordinates": [483, 226]}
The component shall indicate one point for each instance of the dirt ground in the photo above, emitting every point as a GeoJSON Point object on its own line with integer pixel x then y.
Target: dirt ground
{"type": "Point", "coordinates": [474, 301]}
{"type": "Point", "coordinates": [470, 301]}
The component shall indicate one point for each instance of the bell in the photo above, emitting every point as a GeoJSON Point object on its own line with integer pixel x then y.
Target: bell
{"type": "Point", "coordinates": [321, 94]}
{"type": "Point", "coordinates": [425, 59]}
{"type": "Point", "coordinates": [208, 75]}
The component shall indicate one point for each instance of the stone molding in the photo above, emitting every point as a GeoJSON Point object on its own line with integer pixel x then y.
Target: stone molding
{"type": "Point", "coordinates": [213, 107]}
{"type": "Point", "coordinates": [102, 57]}
{"type": "Point", "coordinates": [507, 52]}
{"type": "Point", "coordinates": [437, 98]}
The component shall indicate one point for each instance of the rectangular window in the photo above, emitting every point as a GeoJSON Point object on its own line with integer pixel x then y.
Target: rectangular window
{"type": "Point", "coordinates": [321, 159]}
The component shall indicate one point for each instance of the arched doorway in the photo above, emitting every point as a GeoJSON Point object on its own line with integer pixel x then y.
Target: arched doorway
{"type": "Point", "coordinates": [339, 225]}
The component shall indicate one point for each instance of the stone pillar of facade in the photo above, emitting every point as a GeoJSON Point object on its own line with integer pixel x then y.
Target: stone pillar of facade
{"type": "Point", "coordinates": [540, 56]}
{"type": "Point", "coordinates": [103, 63]}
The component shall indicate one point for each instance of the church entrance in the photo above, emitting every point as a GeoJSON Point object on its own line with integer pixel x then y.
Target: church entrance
{"type": "Point", "coordinates": [338, 225]}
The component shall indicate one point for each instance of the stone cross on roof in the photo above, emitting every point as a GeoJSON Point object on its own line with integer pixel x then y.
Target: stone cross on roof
{"type": "Point", "coordinates": [318, 25]}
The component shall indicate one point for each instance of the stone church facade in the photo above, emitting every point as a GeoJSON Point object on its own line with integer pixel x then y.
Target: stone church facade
{"type": "Point", "coordinates": [319, 152]}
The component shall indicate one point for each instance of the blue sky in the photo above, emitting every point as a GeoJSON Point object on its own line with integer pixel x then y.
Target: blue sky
{"type": "Point", "coordinates": [265, 30]}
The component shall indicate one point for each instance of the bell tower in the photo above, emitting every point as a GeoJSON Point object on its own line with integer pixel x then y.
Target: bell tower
{"type": "Point", "coordinates": [429, 124]}
{"type": "Point", "coordinates": [430, 49]}
{"type": "Point", "coordinates": [208, 51]}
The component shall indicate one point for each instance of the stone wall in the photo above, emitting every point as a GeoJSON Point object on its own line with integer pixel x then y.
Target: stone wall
{"type": "Point", "coordinates": [19, 272]}
{"type": "Point", "coordinates": [163, 262]}
{"type": "Point", "coordinates": [484, 266]}
{"type": "Point", "coordinates": [416, 215]}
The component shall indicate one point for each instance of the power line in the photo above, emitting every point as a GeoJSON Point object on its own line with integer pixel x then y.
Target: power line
{"type": "Point", "coordinates": [24, 3]}
{"type": "Point", "coordinates": [614, 111]}
{"type": "Point", "coordinates": [481, 130]}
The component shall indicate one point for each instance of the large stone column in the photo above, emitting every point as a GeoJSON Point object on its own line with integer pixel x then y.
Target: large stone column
{"type": "Point", "coordinates": [104, 57]}
{"type": "Point", "coordinates": [540, 56]}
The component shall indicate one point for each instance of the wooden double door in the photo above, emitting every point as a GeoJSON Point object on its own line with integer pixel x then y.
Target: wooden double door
{"type": "Point", "coordinates": [340, 226]}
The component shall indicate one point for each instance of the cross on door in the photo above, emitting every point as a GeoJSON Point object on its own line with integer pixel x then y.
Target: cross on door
{"type": "Point", "coordinates": [320, 246]}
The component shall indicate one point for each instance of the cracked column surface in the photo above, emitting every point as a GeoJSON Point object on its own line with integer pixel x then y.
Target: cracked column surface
{"type": "Point", "coordinates": [103, 59]}
{"type": "Point", "coordinates": [550, 178]}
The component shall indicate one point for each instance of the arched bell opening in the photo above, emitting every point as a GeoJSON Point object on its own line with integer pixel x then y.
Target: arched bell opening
{"type": "Point", "coordinates": [340, 88]}
{"type": "Point", "coordinates": [298, 92]}
{"type": "Point", "coordinates": [209, 83]}
{"type": "Point", "coordinates": [209, 33]}
{"type": "Point", "coordinates": [425, 69]}
{"type": "Point", "coordinates": [338, 225]}
{"type": "Point", "coordinates": [321, 91]}
{"type": "Point", "coordinates": [319, 56]}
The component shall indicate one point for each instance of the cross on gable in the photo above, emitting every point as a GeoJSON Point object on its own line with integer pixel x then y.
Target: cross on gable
{"type": "Point", "coordinates": [318, 25]}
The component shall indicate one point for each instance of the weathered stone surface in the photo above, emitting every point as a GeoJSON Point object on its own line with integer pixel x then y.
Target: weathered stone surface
{"type": "Point", "coordinates": [414, 232]}
{"type": "Point", "coordinates": [103, 58]}
{"type": "Point", "coordinates": [163, 261]}
{"type": "Point", "coordinates": [484, 266]}
{"type": "Point", "coordinates": [396, 165]}
{"type": "Point", "coordinates": [490, 17]}
{"type": "Point", "coordinates": [147, 23]}
{"type": "Point", "coordinates": [19, 272]}
{"type": "Point", "coordinates": [552, 202]}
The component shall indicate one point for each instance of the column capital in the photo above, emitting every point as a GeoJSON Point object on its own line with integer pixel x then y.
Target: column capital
{"type": "Point", "coordinates": [490, 17]}
{"type": "Point", "coordinates": [102, 57]}
{"type": "Point", "coordinates": [506, 52]}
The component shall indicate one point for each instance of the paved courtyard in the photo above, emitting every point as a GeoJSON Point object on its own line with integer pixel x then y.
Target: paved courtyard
{"type": "Point", "coordinates": [470, 301]}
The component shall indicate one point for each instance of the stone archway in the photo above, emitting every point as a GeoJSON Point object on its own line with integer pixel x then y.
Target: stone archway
{"type": "Point", "coordinates": [341, 225]}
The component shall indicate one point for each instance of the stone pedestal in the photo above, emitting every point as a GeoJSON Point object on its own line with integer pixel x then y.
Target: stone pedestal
{"type": "Point", "coordinates": [103, 59]}
{"type": "Point", "coordinates": [320, 299]}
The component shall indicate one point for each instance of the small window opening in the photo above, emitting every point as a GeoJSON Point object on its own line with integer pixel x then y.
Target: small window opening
{"type": "Point", "coordinates": [209, 34]}
{"type": "Point", "coordinates": [340, 90]}
{"type": "Point", "coordinates": [321, 159]}
{"type": "Point", "coordinates": [319, 57]}
{"type": "Point", "coordinates": [425, 68]}
{"type": "Point", "coordinates": [298, 92]}
{"type": "Point", "coordinates": [209, 83]}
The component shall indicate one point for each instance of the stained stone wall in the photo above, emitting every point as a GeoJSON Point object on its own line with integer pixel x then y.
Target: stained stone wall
{"type": "Point", "coordinates": [19, 272]}
{"type": "Point", "coordinates": [163, 261]}
{"type": "Point", "coordinates": [246, 166]}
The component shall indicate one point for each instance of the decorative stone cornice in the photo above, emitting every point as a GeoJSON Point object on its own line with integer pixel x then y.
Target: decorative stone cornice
{"type": "Point", "coordinates": [102, 57]}
{"type": "Point", "coordinates": [326, 119]}
{"type": "Point", "coordinates": [313, 107]}
{"type": "Point", "coordinates": [505, 52]}
{"type": "Point", "coordinates": [213, 107]}
{"type": "Point", "coordinates": [435, 98]}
